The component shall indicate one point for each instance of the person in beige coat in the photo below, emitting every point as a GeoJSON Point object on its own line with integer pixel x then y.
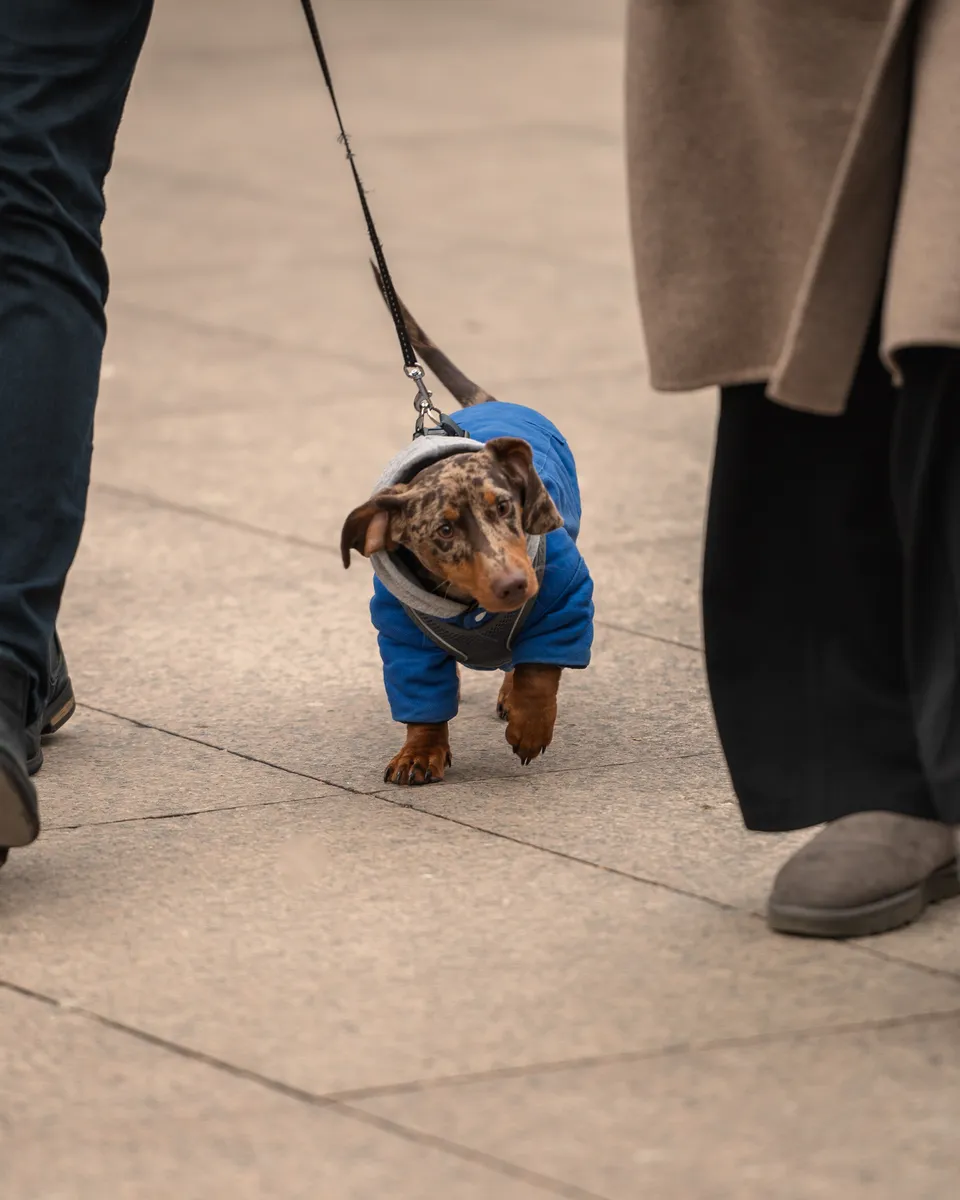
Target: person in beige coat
{"type": "Point", "coordinates": [794, 174]}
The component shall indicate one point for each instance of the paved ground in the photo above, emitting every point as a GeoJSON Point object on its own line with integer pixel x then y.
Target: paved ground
{"type": "Point", "coordinates": [235, 965]}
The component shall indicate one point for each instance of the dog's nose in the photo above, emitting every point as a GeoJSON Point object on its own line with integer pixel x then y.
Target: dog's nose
{"type": "Point", "coordinates": [511, 589]}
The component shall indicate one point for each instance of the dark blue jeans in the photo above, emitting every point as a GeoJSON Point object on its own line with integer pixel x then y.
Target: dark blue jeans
{"type": "Point", "coordinates": [65, 69]}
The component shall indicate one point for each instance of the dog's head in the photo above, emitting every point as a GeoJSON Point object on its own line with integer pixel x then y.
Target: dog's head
{"type": "Point", "coordinates": [465, 519]}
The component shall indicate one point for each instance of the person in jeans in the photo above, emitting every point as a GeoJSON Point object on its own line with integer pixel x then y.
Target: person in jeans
{"type": "Point", "coordinates": [65, 69]}
{"type": "Point", "coordinates": [795, 200]}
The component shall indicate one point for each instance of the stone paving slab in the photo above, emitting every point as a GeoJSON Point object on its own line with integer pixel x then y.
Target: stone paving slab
{"type": "Point", "coordinates": [510, 192]}
{"type": "Point", "coordinates": [100, 769]}
{"type": "Point", "coordinates": [100, 1113]}
{"type": "Point", "coordinates": [266, 648]}
{"type": "Point", "coordinates": [642, 521]}
{"type": "Point", "coordinates": [669, 819]}
{"type": "Point", "coordinates": [666, 819]}
{"type": "Point", "coordinates": [496, 194]}
{"type": "Point", "coordinates": [342, 943]}
{"type": "Point", "coordinates": [866, 1114]}
{"type": "Point", "coordinates": [477, 66]}
{"type": "Point", "coordinates": [314, 305]}
{"type": "Point", "coordinates": [304, 926]}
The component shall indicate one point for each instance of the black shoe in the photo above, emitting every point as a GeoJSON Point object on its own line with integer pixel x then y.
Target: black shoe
{"type": "Point", "coordinates": [19, 817]}
{"type": "Point", "coordinates": [58, 710]}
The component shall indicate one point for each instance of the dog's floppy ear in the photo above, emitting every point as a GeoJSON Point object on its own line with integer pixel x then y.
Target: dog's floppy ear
{"type": "Point", "coordinates": [367, 528]}
{"type": "Point", "coordinates": [539, 511]}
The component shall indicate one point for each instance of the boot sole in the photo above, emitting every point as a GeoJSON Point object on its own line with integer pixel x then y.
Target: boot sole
{"type": "Point", "coordinates": [864, 920]}
{"type": "Point", "coordinates": [57, 713]}
{"type": "Point", "coordinates": [19, 823]}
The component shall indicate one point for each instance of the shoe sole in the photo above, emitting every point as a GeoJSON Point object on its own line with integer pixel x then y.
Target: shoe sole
{"type": "Point", "coordinates": [59, 711]}
{"type": "Point", "coordinates": [865, 920]}
{"type": "Point", "coordinates": [19, 823]}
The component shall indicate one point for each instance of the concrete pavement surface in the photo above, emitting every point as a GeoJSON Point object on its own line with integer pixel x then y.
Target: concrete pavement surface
{"type": "Point", "coordinates": [236, 965]}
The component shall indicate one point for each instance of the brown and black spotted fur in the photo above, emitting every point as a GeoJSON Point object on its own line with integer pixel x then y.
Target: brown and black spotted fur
{"type": "Point", "coordinates": [464, 523]}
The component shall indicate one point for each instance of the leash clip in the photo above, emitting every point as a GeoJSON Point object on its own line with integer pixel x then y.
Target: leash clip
{"type": "Point", "coordinates": [423, 403]}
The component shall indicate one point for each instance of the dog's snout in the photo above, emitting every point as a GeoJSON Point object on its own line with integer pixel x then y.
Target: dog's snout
{"type": "Point", "coordinates": [511, 589]}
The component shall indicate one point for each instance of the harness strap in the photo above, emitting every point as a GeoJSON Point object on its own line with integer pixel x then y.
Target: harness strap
{"type": "Point", "coordinates": [487, 648]}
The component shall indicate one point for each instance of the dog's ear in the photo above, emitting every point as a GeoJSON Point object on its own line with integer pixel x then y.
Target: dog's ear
{"type": "Point", "coordinates": [367, 528]}
{"type": "Point", "coordinates": [539, 511]}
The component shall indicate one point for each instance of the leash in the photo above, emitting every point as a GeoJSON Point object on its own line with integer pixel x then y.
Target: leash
{"type": "Point", "coordinates": [423, 401]}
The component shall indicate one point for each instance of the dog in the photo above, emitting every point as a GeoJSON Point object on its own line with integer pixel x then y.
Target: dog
{"type": "Point", "coordinates": [473, 542]}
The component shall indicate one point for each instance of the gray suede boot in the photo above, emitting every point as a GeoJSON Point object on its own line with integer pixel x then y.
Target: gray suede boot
{"type": "Point", "coordinates": [866, 873]}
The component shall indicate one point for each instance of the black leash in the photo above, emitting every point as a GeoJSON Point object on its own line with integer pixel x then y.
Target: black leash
{"type": "Point", "coordinates": [411, 367]}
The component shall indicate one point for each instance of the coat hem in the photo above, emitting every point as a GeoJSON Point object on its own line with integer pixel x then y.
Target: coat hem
{"type": "Point", "coordinates": [890, 350]}
{"type": "Point", "coordinates": [544, 660]}
{"type": "Point", "coordinates": [750, 376]}
{"type": "Point", "coordinates": [718, 379]}
{"type": "Point", "coordinates": [417, 719]}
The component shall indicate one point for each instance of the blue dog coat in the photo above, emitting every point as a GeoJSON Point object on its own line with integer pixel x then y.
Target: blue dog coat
{"type": "Point", "coordinates": [421, 676]}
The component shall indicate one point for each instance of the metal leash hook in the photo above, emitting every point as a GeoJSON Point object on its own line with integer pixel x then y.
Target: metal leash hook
{"type": "Point", "coordinates": [423, 403]}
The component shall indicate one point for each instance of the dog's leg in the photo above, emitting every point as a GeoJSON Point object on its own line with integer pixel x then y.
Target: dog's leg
{"type": "Point", "coordinates": [424, 757]}
{"type": "Point", "coordinates": [503, 700]}
{"type": "Point", "coordinates": [531, 709]}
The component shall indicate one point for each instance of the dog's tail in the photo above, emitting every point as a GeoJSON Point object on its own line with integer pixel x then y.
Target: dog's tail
{"type": "Point", "coordinates": [463, 390]}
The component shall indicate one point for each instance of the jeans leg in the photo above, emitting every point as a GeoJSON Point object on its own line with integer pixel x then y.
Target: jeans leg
{"type": "Point", "coordinates": [802, 611]}
{"type": "Point", "coordinates": [65, 69]}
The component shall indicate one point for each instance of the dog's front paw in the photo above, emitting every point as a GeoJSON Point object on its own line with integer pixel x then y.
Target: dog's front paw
{"type": "Point", "coordinates": [424, 758]}
{"type": "Point", "coordinates": [530, 733]}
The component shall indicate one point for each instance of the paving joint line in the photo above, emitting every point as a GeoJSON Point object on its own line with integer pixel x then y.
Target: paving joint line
{"type": "Point", "coordinates": [151, 500]}
{"type": "Point", "coordinates": [186, 737]}
{"type": "Point", "coordinates": [304, 1096]}
{"type": "Point", "coordinates": [546, 1183]}
{"type": "Point", "coordinates": [674, 1049]}
{"type": "Point", "coordinates": [566, 856]}
{"type": "Point", "coordinates": [343, 1102]}
{"type": "Point", "coordinates": [150, 171]}
{"type": "Point", "coordinates": [651, 637]}
{"type": "Point", "coordinates": [377, 790]}
{"type": "Point", "coordinates": [173, 816]}
{"type": "Point", "coordinates": [262, 341]}
{"type": "Point", "coordinates": [406, 804]}
{"type": "Point", "coordinates": [844, 946]}
{"type": "Point", "coordinates": [266, 341]}
{"type": "Point", "coordinates": [550, 772]}
{"type": "Point", "coordinates": [874, 952]}
{"type": "Point", "coordinates": [378, 795]}
{"type": "Point", "coordinates": [189, 510]}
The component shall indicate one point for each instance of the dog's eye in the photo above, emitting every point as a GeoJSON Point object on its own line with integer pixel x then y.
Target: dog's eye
{"type": "Point", "coordinates": [445, 530]}
{"type": "Point", "coordinates": [503, 507]}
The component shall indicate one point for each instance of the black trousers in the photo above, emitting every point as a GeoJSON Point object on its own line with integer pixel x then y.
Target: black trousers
{"type": "Point", "coordinates": [831, 598]}
{"type": "Point", "coordinates": [65, 68]}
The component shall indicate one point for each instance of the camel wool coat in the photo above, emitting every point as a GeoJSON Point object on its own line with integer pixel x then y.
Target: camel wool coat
{"type": "Point", "coordinates": [790, 163]}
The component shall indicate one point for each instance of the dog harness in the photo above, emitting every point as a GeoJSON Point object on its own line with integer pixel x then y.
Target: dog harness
{"type": "Point", "coordinates": [487, 645]}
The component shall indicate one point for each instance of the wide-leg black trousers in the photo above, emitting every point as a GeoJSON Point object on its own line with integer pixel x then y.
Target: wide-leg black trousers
{"type": "Point", "coordinates": [831, 598]}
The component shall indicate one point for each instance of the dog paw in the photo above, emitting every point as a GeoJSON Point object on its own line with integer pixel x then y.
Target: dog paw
{"type": "Point", "coordinates": [417, 766]}
{"type": "Point", "coordinates": [529, 737]}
